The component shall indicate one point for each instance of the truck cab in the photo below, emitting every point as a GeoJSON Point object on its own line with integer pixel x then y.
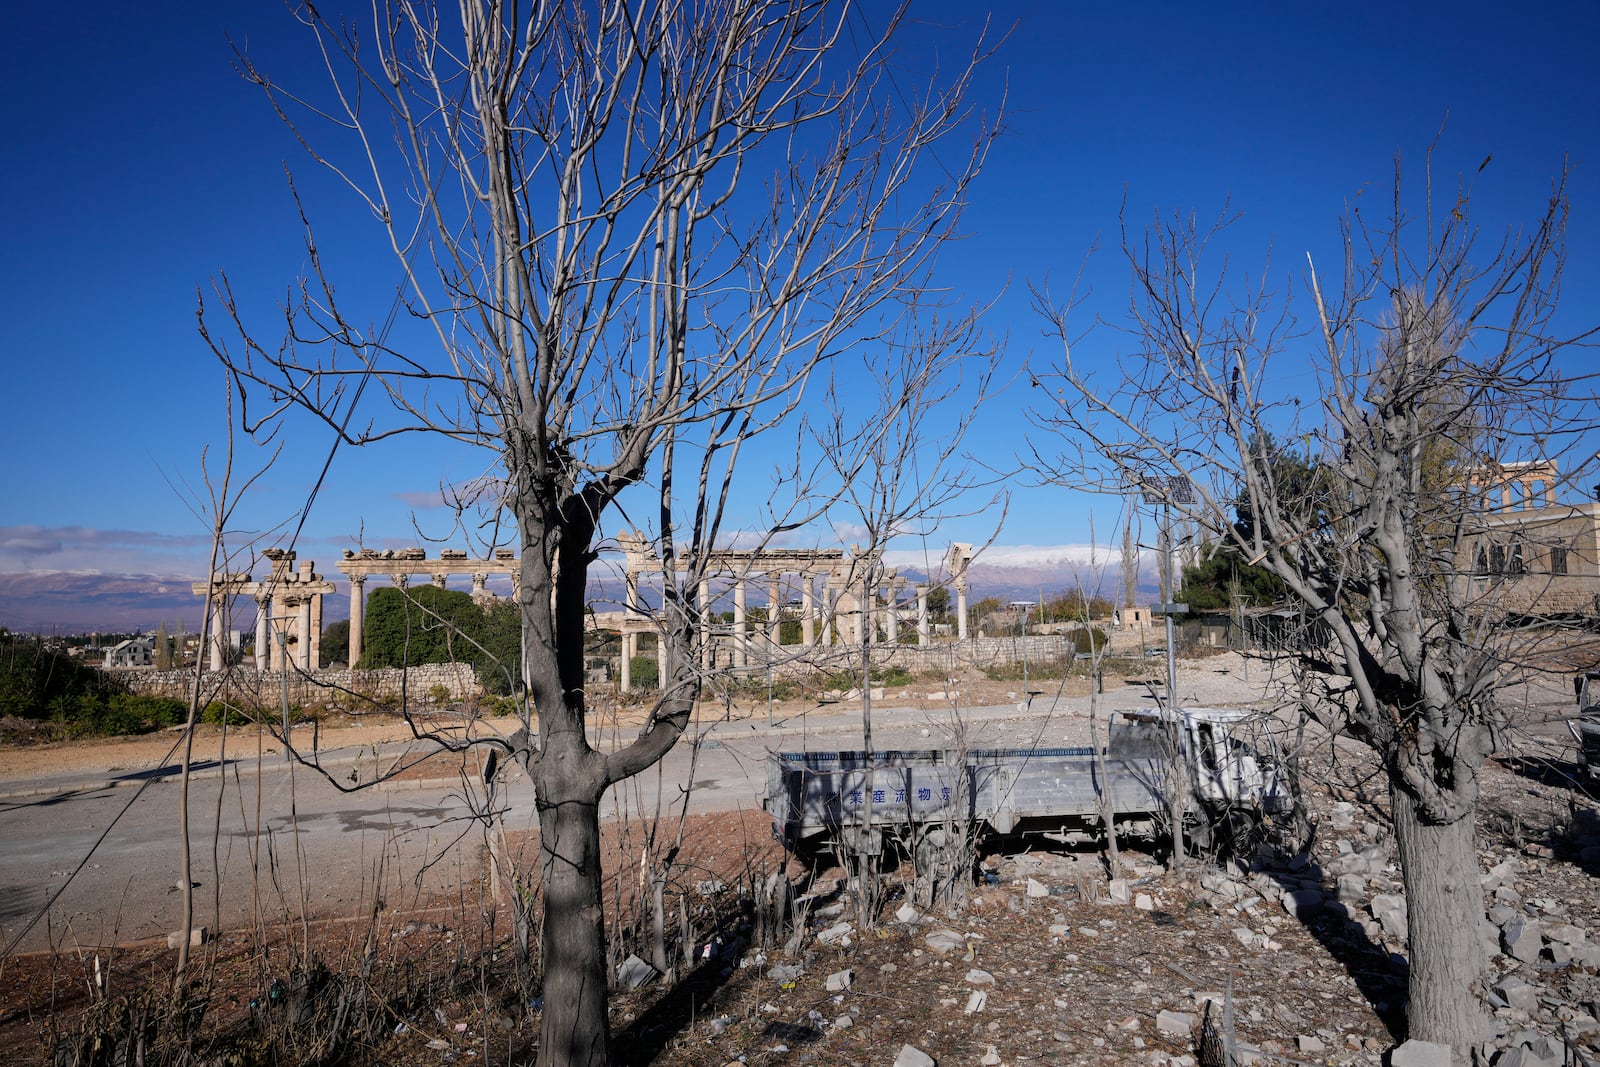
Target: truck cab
{"type": "Point", "coordinates": [1231, 755]}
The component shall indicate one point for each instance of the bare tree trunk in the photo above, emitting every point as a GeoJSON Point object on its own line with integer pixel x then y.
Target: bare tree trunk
{"type": "Point", "coordinates": [1444, 913]}
{"type": "Point", "coordinates": [575, 1031]}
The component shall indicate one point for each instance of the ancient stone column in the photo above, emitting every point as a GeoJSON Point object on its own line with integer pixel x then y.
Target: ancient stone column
{"type": "Point", "coordinates": [630, 639]}
{"type": "Point", "coordinates": [316, 632]}
{"type": "Point", "coordinates": [440, 578]}
{"type": "Point", "coordinates": [961, 608]}
{"type": "Point", "coordinates": [263, 651]}
{"type": "Point", "coordinates": [703, 604]}
{"type": "Point", "coordinates": [922, 615]}
{"type": "Point", "coordinates": [891, 621]}
{"type": "Point", "coordinates": [808, 622]}
{"type": "Point", "coordinates": [219, 631]}
{"type": "Point", "coordinates": [306, 638]}
{"type": "Point", "coordinates": [358, 614]}
{"type": "Point", "coordinates": [739, 634]}
{"type": "Point", "coordinates": [774, 616]}
{"type": "Point", "coordinates": [480, 586]}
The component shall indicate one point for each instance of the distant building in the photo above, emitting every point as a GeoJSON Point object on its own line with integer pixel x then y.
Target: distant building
{"type": "Point", "coordinates": [1525, 554]}
{"type": "Point", "coordinates": [135, 652]}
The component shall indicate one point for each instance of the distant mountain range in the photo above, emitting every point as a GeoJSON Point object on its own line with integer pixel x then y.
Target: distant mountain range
{"type": "Point", "coordinates": [74, 602]}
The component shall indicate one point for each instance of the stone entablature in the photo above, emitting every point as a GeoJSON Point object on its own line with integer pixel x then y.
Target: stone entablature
{"type": "Point", "coordinates": [399, 564]}
{"type": "Point", "coordinates": [288, 611]}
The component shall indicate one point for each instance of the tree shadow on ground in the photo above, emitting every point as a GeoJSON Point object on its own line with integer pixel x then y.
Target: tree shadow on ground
{"type": "Point", "coordinates": [694, 997]}
{"type": "Point", "coordinates": [1380, 975]}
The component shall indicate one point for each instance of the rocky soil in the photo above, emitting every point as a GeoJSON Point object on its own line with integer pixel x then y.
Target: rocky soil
{"type": "Point", "coordinates": [1050, 960]}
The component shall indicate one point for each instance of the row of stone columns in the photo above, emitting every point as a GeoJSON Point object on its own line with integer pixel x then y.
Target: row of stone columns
{"type": "Point", "coordinates": [847, 627]}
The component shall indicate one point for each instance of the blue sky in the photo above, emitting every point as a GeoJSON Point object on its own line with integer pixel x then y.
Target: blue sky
{"type": "Point", "coordinates": [140, 165]}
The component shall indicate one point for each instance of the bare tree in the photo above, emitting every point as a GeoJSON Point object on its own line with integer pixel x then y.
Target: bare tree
{"type": "Point", "coordinates": [895, 465]}
{"type": "Point", "coordinates": [636, 231]}
{"type": "Point", "coordinates": [1430, 355]}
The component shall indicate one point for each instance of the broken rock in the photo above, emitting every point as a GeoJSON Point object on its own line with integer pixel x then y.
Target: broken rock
{"type": "Point", "coordinates": [911, 1056]}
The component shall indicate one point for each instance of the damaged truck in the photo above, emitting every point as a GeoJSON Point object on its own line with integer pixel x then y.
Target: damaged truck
{"type": "Point", "coordinates": [1220, 767]}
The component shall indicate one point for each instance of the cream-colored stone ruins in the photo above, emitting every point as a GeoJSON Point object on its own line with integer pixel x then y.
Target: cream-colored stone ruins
{"type": "Point", "coordinates": [825, 590]}
{"type": "Point", "coordinates": [837, 599]}
{"type": "Point", "coordinates": [288, 612]}
{"type": "Point", "coordinates": [400, 565]}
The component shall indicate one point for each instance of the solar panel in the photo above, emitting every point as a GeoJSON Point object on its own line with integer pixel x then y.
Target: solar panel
{"type": "Point", "coordinates": [1166, 489]}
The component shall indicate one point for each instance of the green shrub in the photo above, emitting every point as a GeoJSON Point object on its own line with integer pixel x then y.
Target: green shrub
{"type": "Point", "coordinates": [891, 676]}
{"type": "Point", "coordinates": [1085, 640]}
{"type": "Point", "coordinates": [644, 672]}
{"type": "Point", "coordinates": [1013, 672]}
{"type": "Point", "coordinates": [217, 712]}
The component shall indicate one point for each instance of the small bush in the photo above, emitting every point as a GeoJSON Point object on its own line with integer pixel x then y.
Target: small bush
{"type": "Point", "coordinates": [216, 713]}
{"type": "Point", "coordinates": [1013, 672]}
{"type": "Point", "coordinates": [645, 672]}
{"type": "Point", "coordinates": [439, 693]}
{"type": "Point", "coordinates": [1087, 640]}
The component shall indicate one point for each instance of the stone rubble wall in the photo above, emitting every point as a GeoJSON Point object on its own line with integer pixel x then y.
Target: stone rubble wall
{"type": "Point", "coordinates": [328, 687]}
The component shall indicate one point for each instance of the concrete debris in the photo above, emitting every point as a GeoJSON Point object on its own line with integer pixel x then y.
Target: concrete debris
{"type": "Point", "coordinates": [634, 972]}
{"type": "Point", "coordinates": [911, 1056]}
{"type": "Point", "coordinates": [1175, 1023]}
{"type": "Point", "coordinates": [1416, 1053]}
{"type": "Point", "coordinates": [837, 934]}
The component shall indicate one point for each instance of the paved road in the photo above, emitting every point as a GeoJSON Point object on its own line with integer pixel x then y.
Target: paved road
{"type": "Point", "coordinates": [277, 828]}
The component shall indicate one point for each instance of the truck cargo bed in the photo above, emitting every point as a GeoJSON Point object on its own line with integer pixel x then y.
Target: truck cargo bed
{"type": "Point", "coordinates": [812, 793]}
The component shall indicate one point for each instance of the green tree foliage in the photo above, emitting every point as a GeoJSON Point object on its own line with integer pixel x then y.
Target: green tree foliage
{"type": "Point", "coordinates": [37, 683]}
{"type": "Point", "coordinates": [336, 643]}
{"type": "Point", "coordinates": [1074, 606]}
{"type": "Point", "coordinates": [939, 602]}
{"type": "Point", "coordinates": [1224, 578]}
{"type": "Point", "coordinates": [427, 624]}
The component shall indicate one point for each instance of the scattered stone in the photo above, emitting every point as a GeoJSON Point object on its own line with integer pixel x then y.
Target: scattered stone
{"type": "Point", "coordinates": [198, 935]}
{"type": "Point", "coordinates": [1117, 891]}
{"type": "Point", "coordinates": [977, 1000]}
{"type": "Point", "coordinates": [1524, 1056]}
{"type": "Point", "coordinates": [634, 972]}
{"type": "Point", "coordinates": [786, 972]}
{"type": "Point", "coordinates": [1351, 887]}
{"type": "Point", "coordinates": [1302, 903]}
{"type": "Point", "coordinates": [837, 934]}
{"type": "Point", "coordinates": [843, 1022]}
{"type": "Point", "coordinates": [1037, 889]}
{"type": "Point", "coordinates": [839, 981]}
{"type": "Point", "coordinates": [1310, 1045]}
{"type": "Point", "coordinates": [1175, 1023]}
{"type": "Point", "coordinates": [907, 914]}
{"type": "Point", "coordinates": [1517, 993]}
{"type": "Point", "coordinates": [1520, 939]}
{"type": "Point", "coordinates": [1566, 934]}
{"type": "Point", "coordinates": [945, 942]}
{"type": "Point", "coordinates": [990, 1058]}
{"type": "Point", "coordinates": [1390, 911]}
{"type": "Point", "coordinates": [978, 976]}
{"type": "Point", "coordinates": [1416, 1053]}
{"type": "Point", "coordinates": [1144, 903]}
{"type": "Point", "coordinates": [911, 1056]}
